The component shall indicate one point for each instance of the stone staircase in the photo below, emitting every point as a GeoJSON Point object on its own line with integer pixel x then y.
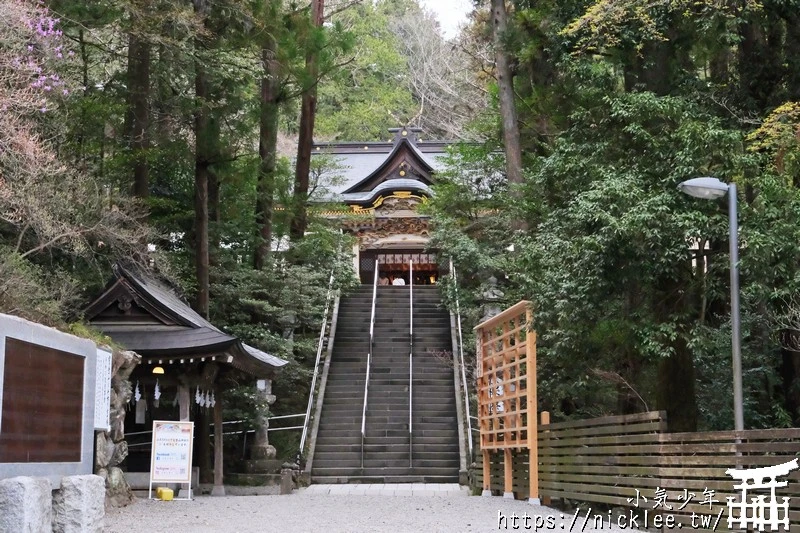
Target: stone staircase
{"type": "Point", "coordinates": [435, 437]}
{"type": "Point", "coordinates": [434, 441]}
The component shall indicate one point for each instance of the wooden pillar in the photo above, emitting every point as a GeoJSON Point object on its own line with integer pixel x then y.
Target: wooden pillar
{"type": "Point", "coordinates": [546, 422]}
{"type": "Point", "coordinates": [487, 473]}
{"type": "Point", "coordinates": [357, 260]}
{"type": "Point", "coordinates": [203, 429]}
{"type": "Point", "coordinates": [533, 409]}
{"type": "Point", "coordinates": [184, 414]}
{"type": "Point", "coordinates": [219, 487]}
{"type": "Point", "coordinates": [508, 474]}
{"type": "Point", "coordinates": [184, 402]}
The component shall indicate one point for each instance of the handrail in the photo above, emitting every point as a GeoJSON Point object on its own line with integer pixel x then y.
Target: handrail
{"type": "Point", "coordinates": [313, 427]}
{"type": "Point", "coordinates": [328, 300]}
{"type": "Point", "coordinates": [463, 363]}
{"type": "Point", "coordinates": [369, 362]}
{"type": "Point", "coordinates": [410, 362]}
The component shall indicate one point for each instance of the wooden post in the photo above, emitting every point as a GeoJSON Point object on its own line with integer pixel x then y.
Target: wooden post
{"type": "Point", "coordinates": [184, 402]}
{"type": "Point", "coordinates": [203, 440]}
{"type": "Point", "coordinates": [508, 474]}
{"type": "Point", "coordinates": [184, 412]}
{"type": "Point", "coordinates": [545, 421]}
{"type": "Point", "coordinates": [219, 486]}
{"type": "Point", "coordinates": [533, 423]}
{"type": "Point", "coordinates": [487, 473]}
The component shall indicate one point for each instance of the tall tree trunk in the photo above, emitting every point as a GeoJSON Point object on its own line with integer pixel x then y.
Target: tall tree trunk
{"type": "Point", "coordinates": [267, 148]}
{"type": "Point", "coordinates": [505, 84]}
{"type": "Point", "coordinates": [201, 162]}
{"type": "Point", "coordinates": [308, 110]}
{"type": "Point", "coordinates": [760, 62]}
{"type": "Point", "coordinates": [139, 112]}
{"type": "Point", "coordinates": [213, 213]}
{"type": "Point", "coordinates": [676, 377]}
{"type": "Point", "coordinates": [202, 158]}
{"type": "Point", "coordinates": [791, 53]}
{"type": "Point", "coordinates": [676, 389]}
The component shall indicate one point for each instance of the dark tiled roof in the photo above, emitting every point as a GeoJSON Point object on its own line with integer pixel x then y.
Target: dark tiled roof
{"type": "Point", "coordinates": [357, 163]}
{"type": "Point", "coordinates": [183, 341]}
{"type": "Point", "coordinates": [190, 334]}
{"type": "Point", "coordinates": [166, 297]}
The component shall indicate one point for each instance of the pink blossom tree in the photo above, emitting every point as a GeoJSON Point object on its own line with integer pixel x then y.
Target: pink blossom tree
{"type": "Point", "coordinates": [46, 206]}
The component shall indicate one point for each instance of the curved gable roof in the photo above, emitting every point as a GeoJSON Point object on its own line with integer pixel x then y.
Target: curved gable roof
{"type": "Point", "coordinates": [389, 186]}
{"type": "Point", "coordinates": [166, 325]}
{"type": "Point", "coordinates": [404, 159]}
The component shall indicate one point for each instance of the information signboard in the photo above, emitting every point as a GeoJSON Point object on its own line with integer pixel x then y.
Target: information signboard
{"type": "Point", "coordinates": [171, 459]}
{"type": "Point", "coordinates": [102, 396]}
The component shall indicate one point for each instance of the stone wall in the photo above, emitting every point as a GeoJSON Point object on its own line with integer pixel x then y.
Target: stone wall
{"type": "Point", "coordinates": [110, 446]}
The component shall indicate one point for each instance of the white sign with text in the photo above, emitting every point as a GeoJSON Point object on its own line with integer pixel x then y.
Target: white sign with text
{"type": "Point", "coordinates": [171, 460]}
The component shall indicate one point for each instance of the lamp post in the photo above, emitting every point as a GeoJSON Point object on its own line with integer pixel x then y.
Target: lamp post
{"type": "Point", "coordinates": [709, 189]}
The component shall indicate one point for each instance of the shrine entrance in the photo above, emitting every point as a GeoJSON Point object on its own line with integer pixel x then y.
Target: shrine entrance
{"type": "Point", "coordinates": [394, 264]}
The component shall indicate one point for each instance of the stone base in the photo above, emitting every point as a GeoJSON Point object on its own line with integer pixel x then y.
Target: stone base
{"type": "Point", "coordinates": [263, 452]}
{"type": "Point", "coordinates": [79, 505]}
{"type": "Point", "coordinates": [486, 492]}
{"type": "Point", "coordinates": [218, 490]}
{"type": "Point", "coordinates": [508, 495]}
{"type": "Point", "coordinates": [253, 480]}
{"type": "Point", "coordinates": [236, 490]}
{"type": "Point", "coordinates": [185, 492]}
{"type": "Point", "coordinates": [534, 501]}
{"type": "Point", "coordinates": [263, 466]}
{"type": "Point", "coordinates": [25, 504]}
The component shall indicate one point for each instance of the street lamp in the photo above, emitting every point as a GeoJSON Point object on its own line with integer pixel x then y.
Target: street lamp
{"type": "Point", "coordinates": [709, 189]}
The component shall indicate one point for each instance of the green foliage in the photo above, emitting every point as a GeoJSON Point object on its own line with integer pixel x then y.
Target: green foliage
{"type": "Point", "coordinates": [280, 310]}
{"type": "Point", "coordinates": [618, 103]}
{"type": "Point", "coordinates": [33, 292]}
{"type": "Point", "coordinates": [779, 138]}
{"type": "Point", "coordinates": [371, 90]}
{"type": "Point", "coordinates": [606, 258]}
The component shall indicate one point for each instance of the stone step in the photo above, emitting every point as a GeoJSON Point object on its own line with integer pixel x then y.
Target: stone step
{"type": "Point", "coordinates": [390, 475]}
{"type": "Point", "coordinates": [434, 439]}
{"type": "Point", "coordinates": [323, 439]}
{"type": "Point", "coordinates": [349, 389]}
{"type": "Point", "coordinates": [399, 480]}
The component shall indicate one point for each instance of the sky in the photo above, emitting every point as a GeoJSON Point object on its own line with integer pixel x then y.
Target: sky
{"type": "Point", "coordinates": [450, 13]}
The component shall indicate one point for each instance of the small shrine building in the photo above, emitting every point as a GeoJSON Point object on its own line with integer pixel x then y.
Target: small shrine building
{"type": "Point", "coordinates": [382, 185]}
{"type": "Point", "coordinates": [187, 365]}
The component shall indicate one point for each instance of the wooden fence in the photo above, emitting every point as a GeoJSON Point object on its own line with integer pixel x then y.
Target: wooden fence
{"type": "Point", "coordinates": [629, 461]}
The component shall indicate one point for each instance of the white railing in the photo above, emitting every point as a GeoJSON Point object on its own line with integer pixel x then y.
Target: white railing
{"type": "Point", "coordinates": [463, 363]}
{"type": "Point", "coordinates": [369, 362]}
{"type": "Point", "coordinates": [320, 342]}
{"type": "Point", "coordinates": [410, 362]}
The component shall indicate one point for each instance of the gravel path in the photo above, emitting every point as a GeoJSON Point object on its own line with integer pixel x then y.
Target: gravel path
{"type": "Point", "coordinates": [312, 511]}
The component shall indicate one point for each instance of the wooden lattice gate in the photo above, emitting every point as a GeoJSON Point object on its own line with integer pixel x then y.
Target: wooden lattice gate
{"type": "Point", "coordinates": [507, 392]}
